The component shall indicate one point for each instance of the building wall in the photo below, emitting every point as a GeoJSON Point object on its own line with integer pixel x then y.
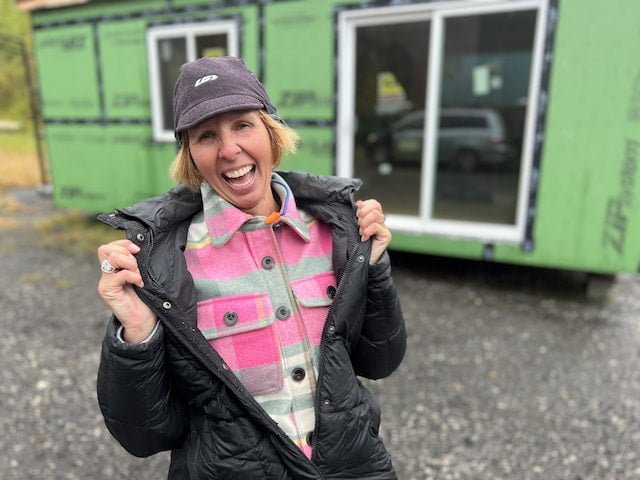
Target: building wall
{"type": "Point", "coordinates": [589, 196]}
{"type": "Point", "coordinates": [92, 64]}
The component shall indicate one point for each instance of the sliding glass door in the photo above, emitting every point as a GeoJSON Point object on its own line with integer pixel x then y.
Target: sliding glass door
{"type": "Point", "coordinates": [390, 81]}
{"type": "Point", "coordinates": [436, 112]}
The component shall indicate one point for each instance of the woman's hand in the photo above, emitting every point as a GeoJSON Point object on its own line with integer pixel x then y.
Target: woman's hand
{"type": "Point", "coordinates": [371, 223]}
{"type": "Point", "coordinates": [116, 289]}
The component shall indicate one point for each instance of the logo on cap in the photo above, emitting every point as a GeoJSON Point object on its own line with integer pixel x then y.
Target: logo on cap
{"type": "Point", "coordinates": [205, 79]}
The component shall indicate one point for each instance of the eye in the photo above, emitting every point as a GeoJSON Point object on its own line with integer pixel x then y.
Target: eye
{"type": "Point", "coordinates": [242, 124]}
{"type": "Point", "coordinates": [206, 136]}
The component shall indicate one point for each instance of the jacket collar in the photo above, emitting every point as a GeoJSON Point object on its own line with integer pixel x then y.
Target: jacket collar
{"type": "Point", "coordinates": [223, 220]}
{"type": "Point", "coordinates": [309, 188]}
{"type": "Point", "coordinates": [313, 193]}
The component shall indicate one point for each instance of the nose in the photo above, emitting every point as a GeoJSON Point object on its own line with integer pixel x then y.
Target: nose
{"type": "Point", "coordinates": [229, 148]}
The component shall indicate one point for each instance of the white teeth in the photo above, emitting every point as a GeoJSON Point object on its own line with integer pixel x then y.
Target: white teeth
{"type": "Point", "coordinates": [239, 173]}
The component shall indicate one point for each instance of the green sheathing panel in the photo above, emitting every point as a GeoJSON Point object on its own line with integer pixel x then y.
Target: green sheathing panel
{"type": "Point", "coordinates": [66, 63]}
{"type": "Point", "coordinates": [315, 153]}
{"type": "Point", "coordinates": [118, 157]}
{"type": "Point", "coordinates": [123, 54]}
{"type": "Point", "coordinates": [589, 197]}
{"type": "Point", "coordinates": [65, 59]}
{"type": "Point", "coordinates": [95, 9]}
{"type": "Point", "coordinates": [187, 3]}
{"type": "Point", "coordinates": [162, 154]}
{"type": "Point", "coordinates": [125, 87]}
{"type": "Point", "coordinates": [249, 42]}
{"type": "Point", "coordinates": [299, 57]}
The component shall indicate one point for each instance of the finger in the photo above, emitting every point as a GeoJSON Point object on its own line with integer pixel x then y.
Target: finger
{"type": "Point", "coordinates": [119, 260]}
{"type": "Point", "coordinates": [110, 286]}
{"type": "Point", "coordinates": [376, 230]}
{"type": "Point", "coordinates": [118, 254]}
{"type": "Point", "coordinates": [372, 217]}
{"type": "Point", "coordinates": [370, 210]}
{"type": "Point", "coordinates": [133, 278]}
{"type": "Point", "coordinates": [123, 261]}
{"type": "Point", "coordinates": [364, 207]}
{"type": "Point", "coordinates": [117, 245]}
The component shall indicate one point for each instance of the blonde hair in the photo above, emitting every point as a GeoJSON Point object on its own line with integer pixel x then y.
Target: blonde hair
{"type": "Point", "coordinates": [284, 141]}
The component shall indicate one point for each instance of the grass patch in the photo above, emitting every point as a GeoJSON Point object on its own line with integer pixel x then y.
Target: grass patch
{"type": "Point", "coordinates": [8, 223]}
{"type": "Point", "coordinates": [19, 170]}
{"type": "Point", "coordinates": [22, 142]}
{"type": "Point", "coordinates": [19, 165]}
{"type": "Point", "coordinates": [32, 277]}
{"type": "Point", "coordinates": [10, 206]}
{"type": "Point", "coordinates": [74, 232]}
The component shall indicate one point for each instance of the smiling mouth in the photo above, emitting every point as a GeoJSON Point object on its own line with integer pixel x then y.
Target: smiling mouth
{"type": "Point", "coordinates": [240, 176]}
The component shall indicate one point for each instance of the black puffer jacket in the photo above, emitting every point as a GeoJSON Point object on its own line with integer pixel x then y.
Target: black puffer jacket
{"type": "Point", "coordinates": [175, 392]}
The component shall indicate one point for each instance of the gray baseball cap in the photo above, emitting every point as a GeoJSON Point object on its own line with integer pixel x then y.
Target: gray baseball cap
{"type": "Point", "coordinates": [209, 86]}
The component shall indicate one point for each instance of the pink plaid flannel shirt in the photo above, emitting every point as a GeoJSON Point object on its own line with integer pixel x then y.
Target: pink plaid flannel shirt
{"type": "Point", "coordinates": [263, 293]}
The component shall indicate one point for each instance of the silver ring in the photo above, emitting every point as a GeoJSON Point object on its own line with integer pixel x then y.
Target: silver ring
{"type": "Point", "coordinates": [106, 267]}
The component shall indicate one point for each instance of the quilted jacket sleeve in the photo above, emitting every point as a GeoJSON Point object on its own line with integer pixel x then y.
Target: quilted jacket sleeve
{"type": "Point", "coordinates": [382, 341]}
{"type": "Point", "coordinates": [135, 395]}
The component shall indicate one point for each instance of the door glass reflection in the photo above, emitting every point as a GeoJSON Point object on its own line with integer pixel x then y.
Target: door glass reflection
{"type": "Point", "coordinates": [214, 45]}
{"type": "Point", "coordinates": [390, 88]}
{"type": "Point", "coordinates": [172, 53]}
{"type": "Point", "coordinates": [484, 92]}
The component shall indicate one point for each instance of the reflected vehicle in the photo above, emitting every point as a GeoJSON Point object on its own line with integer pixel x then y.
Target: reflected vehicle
{"type": "Point", "coordinates": [468, 138]}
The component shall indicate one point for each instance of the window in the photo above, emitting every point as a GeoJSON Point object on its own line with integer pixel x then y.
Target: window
{"type": "Point", "coordinates": [171, 46]}
{"type": "Point", "coordinates": [484, 83]}
{"type": "Point", "coordinates": [436, 112]}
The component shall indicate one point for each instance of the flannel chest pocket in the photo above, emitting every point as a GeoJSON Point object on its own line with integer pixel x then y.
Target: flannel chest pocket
{"type": "Point", "coordinates": [314, 296]}
{"type": "Point", "coordinates": [240, 328]}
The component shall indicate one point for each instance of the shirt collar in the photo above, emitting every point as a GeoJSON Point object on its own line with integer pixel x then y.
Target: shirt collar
{"type": "Point", "coordinates": [223, 220]}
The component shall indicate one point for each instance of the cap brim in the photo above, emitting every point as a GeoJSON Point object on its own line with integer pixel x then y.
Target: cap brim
{"type": "Point", "coordinates": [216, 106]}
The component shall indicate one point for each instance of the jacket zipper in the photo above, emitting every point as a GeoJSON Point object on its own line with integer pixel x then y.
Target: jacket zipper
{"type": "Point", "coordinates": [316, 399]}
{"type": "Point", "coordinates": [151, 244]}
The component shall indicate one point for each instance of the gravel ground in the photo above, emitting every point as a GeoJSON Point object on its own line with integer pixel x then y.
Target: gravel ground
{"type": "Point", "coordinates": [510, 372]}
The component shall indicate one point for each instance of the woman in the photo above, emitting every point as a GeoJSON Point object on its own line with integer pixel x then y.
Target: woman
{"type": "Point", "coordinates": [245, 302]}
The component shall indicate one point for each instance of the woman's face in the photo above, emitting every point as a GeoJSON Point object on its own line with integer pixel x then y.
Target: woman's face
{"type": "Point", "coordinates": [232, 152]}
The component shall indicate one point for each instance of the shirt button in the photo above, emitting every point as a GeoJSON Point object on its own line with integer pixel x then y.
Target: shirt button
{"type": "Point", "coordinates": [268, 263]}
{"type": "Point", "coordinates": [230, 319]}
{"type": "Point", "coordinates": [326, 403]}
{"type": "Point", "coordinates": [298, 374]}
{"type": "Point", "coordinates": [332, 329]}
{"type": "Point", "coordinates": [282, 313]}
{"type": "Point", "coordinates": [331, 291]}
{"type": "Point", "coordinates": [360, 258]}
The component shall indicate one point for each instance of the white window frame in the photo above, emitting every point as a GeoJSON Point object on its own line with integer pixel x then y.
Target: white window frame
{"type": "Point", "coordinates": [437, 13]}
{"type": "Point", "coordinates": [188, 31]}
